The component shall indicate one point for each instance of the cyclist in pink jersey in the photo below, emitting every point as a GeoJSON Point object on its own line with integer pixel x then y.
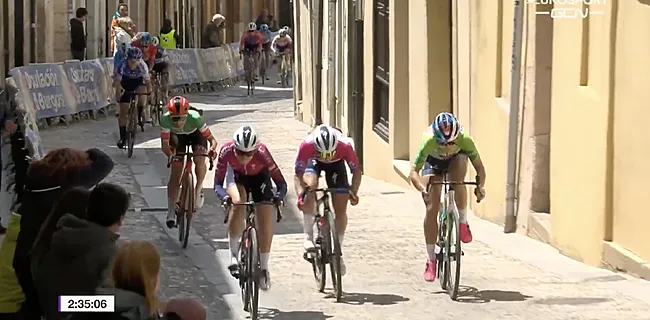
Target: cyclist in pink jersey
{"type": "Point", "coordinates": [326, 150]}
{"type": "Point", "coordinates": [245, 166]}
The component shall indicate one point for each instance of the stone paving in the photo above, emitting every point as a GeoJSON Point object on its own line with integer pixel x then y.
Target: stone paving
{"type": "Point", "coordinates": [504, 276]}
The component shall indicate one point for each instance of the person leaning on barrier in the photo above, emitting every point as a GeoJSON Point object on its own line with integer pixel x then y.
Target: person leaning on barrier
{"type": "Point", "coordinates": [78, 34]}
{"type": "Point", "coordinates": [82, 249]}
{"type": "Point", "coordinates": [47, 179]}
{"type": "Point", "coordinates": [7, 124]}
{"type": "Point", "coordinates": [122, 39]}
{"type": "Point", "coordinates": [122, 11]}
{"type": "Point", "coordinates": [169, 37]}
{"type": "Point", "coordinates": [213, 32]}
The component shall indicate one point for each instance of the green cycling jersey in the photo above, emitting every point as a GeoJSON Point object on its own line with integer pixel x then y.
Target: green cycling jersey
{"type": "Point", "coordinates": [431, 147]}
{"type": "Point", "coordinates": [194, 122]}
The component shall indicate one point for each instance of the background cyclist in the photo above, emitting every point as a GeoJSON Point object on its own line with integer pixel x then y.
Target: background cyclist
{"type": "Point", "coordinates": [144, 42]}
{"type": "Point", "coordinates": [266, 47]}
{"type": "Point", "coordinates": [282, 45]}
{"type": "Point", "coordinates": [131, 75]}
{"type": "Point", "coordinates": [251, 43]}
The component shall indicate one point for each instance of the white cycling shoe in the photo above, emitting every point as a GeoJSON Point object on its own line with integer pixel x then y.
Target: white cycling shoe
{"type": "Point", "coordinates": [265, 280]}
{"type": "Point", "coordinates": [200, 200]}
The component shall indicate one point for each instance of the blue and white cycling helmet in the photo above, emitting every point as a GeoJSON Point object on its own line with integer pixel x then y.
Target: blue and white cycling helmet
{"type": "Point", "coordinates": [264, 27]}
{"type": "Point", "coordinates": [446, 127]}
{"type": "Point", "coordinates": [145, 38]}
{"type": "Point", "coordinates": [133, 53]}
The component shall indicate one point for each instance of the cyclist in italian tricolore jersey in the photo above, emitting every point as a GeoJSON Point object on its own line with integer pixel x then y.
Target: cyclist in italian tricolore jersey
{"type": "Point", "coordinates": [445, 148]}
{"type": "Point", "coordinates": [182, 127]}
{"type": "Point", "coordinates": [326, 150]}
{"type": "Point", "coordinates": [246, 166]}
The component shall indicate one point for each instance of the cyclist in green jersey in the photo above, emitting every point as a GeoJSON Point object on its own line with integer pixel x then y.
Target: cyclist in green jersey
{"type": "Point", "coordinates": [445, 148]}
{"type": "Point", "coordinates": [182, 127]}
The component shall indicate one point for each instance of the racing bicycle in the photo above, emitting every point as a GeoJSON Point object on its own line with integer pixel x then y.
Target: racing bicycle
{"type": "Point", "coordinates": [284, 69]}
{"type": "Point", "coordinates": [134, 119]}
{"type": "Point", "coordinates": [449, 237]}
{"type": "Point", "coordinates": [186, 206]}
{"type": "Point", "coordinates": [249, 64]}
{"type": "Point", "coordinates": [250, 270]}
{"type": "Point", "coordinates": [327, 248]}
{"type": "Point", "coordinates": [159, 97]}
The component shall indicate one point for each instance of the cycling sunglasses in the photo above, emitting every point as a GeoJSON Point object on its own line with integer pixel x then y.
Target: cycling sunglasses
{"type": "Point", "coordinates": [245, 154]}
{"type": "Point", "coordinates": [327, 155]}
{"type": "Point", "coordinates": [178, 118]}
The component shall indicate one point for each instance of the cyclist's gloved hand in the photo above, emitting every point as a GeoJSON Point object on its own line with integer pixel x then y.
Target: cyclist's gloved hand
{"type": "Point", "coordinates": [479, 192]}
{"type": "Point", "coordinates": [301, 198]}
{"type": "Point", "coordinates": [277, 200]}
{"type": "Point", "coordinates": [226, 201]}
{"type": "Point", "coordinates": [354, 198]}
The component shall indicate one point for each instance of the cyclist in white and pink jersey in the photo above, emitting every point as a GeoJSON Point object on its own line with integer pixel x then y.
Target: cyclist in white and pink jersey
{"type": "Point", "coordinates": [326, 150]}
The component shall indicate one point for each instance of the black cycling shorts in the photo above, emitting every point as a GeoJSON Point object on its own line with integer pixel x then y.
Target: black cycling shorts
{"type": "Point", "coordinates": [160, 66]}
{"type": "Point", "coordinates": [336, 175]}
{"type": "Point", "coordinates": [258, 186]}
{"type": "Point", "coordinates": [180, 142]}
{"type": "Point", "coordinates": [437, 167]}
{"type": "Point", "coordinates": [130, 85]}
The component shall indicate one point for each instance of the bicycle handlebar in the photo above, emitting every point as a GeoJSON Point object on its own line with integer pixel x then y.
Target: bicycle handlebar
{"type": "Point", "coordinates": [136, 93]}
{"type": "Point", "coordinates": [453, 183]}
{"type": "Point", "coordinates": [191, 155]}
{"type": "Point", "coordinates": [278, 211]}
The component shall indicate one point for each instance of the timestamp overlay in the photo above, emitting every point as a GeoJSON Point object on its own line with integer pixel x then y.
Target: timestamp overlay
{"type": "Point", "coordinates": [94, 303]}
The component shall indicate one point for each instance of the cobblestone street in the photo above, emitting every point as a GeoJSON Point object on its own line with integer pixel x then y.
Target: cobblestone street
{"type": "Point", "coordinates": [503, 276]}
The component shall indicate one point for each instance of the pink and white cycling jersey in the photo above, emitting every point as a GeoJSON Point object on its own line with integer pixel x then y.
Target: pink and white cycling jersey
{"type": "Point", "coordinates": [344, 151]}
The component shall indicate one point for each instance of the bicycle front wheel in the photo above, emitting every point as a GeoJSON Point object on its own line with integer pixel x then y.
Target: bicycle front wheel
{"type": "Point", "coordinates": [321, 253]}
{"type": "Point", "coordinates": [188, 207]}
{"type": "Point", "coordinates": [131, 128]}
{"type": "Point", "coordinates": [254, 275]}
{"type": "Point", "coordinates": [335, 258]}
{"type": "Point", "coordinates": [454, 254]}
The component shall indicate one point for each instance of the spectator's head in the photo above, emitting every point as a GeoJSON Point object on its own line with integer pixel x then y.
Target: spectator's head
{"type": "Point", "coordinates": [167, 23]}
{"type": "Point", "coordinates": [123, 10]}
{"type": "Point", "coordinates": [81, 13]}
{"type": "Point", "coordinates": [265, 13]}
{"type": "Point", "coordinates": [218, 19]}
{"type": "Point", "coordinates": [185, 309]}
{"type": "Point", "coordinates": [124, 23]}
{"type": "Point", "coordinates": [73, 201]}
{"type": "Point", "coordinates": [107, 205]}
{"type": "Point", "coordinates": [60, 165]}
{"type": "Point", "coordinates": [136, 268]}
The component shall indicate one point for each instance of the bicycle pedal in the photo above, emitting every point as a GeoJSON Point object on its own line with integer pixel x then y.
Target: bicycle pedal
{"type": "Point", "coordinates": [308, 257]}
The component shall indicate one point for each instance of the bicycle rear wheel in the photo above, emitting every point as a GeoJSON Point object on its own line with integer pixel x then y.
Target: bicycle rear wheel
{"type": "Point", "coordinates": [131, 128]}
{"type": "Point", "coordinates": [254, 273]}
{"type": "Point", "coordinates": [180, 217]}
{"type": "Point", "coordinates": [454, 255]}
{"type": "Point", "coordinates": [188, 207]}
{"type": "Point", "coordinates": [283, 72]}
{"type": "Point", "coordinates": [335, 258]}
{"type": "Point", "coordinates": [442, 243]}
{"type": "Point", "coordinates": [244, 270]}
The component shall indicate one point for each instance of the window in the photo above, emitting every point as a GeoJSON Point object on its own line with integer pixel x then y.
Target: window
{"type": "Point", "coordinates": [381, 69]}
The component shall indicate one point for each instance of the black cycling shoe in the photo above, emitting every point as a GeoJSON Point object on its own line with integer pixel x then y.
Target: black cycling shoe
{"type": "Point", "coordinates": [171, 224]}
{"type": "Point", "coordinates": [121, 144]}
{"type": "Point", "coordinates": [234, 270]}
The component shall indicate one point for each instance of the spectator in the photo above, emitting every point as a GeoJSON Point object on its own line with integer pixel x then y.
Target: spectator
{"type": "Point", "coordinates": [11, 295]}
{"type": "Point", "coordinates": [213, 32]}
{"type": "Point", "coordinates": [8, 125]}
{"type": "Point", "coordinates": [82, 249]}
{"type": "Point", "coordinates": [185, 309]}
{"type": "Point", "coordinates": [136, 278]}
{"type": "Point", "coordinates": [263, 18]}
{"type": "Point", "coordinates": [122, 39]}
{"type": "Point", "coordinates": [78, 34]}
{"type": "Point", "coordinates": [169, 38]}
{"type": "Point", "coordinates": [47, 179]}
{"type": "Point", "coordinates": [274, 23]}
{"type": "Point", "coordinates": [122, 11]}
{"type": "Point", "coordinates": [75, 202]}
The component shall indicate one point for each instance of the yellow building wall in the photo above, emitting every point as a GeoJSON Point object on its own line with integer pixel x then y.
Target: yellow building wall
{"type": "Point", "coordinates": [579, 166]}
{"type": "Point", "coordinates": [631, 141]}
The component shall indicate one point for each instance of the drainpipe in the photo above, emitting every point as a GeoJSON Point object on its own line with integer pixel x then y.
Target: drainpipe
{"type": "Point", "coordinates": [331, 58]}
{"type": "Point", "coordinates": [351, 49]}
{"type": "Point", "coordinates": [513, 123]}
{"type": "Point", "coordinates": [318, 61]}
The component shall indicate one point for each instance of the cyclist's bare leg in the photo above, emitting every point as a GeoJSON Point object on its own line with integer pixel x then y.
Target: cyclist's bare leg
{"type": "Point", "coordinates": [200, 169]}
{"type": "Point", "coordinates": [309, 209]}
{"type": "Point", "coordinates": [265, 220]}
{"type": "Point", "coordinates": [173, 191]}
{"type": "Point", "coordinates": [340, 203]}
{"type": "Point", "coordinates": [457, 171]}
{"type": "Point", "coordinates": [432, 204]}
{"type": "Point", "coordinates": [122, 121]}
{"type": "Point", "coordinates": [279, 66]}
{"type": "Point", "coordinates": [142, 101]}
{"type": "Point", "coordinates": [236, 222]}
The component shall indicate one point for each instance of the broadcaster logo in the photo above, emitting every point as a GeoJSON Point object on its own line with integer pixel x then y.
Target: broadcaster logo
{"type": "Point", "coordinates": [581, 8]}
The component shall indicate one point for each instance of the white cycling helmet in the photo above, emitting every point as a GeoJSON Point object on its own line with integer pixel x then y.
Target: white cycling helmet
{"type": "Point", "coordinates": [325, 138]}
{"type": "Point", "coordinates": [245, 139]}
{"type": "Point", "coordinates": [283, 33]}
{"type": "Point", "coordinates": [252, 26]}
